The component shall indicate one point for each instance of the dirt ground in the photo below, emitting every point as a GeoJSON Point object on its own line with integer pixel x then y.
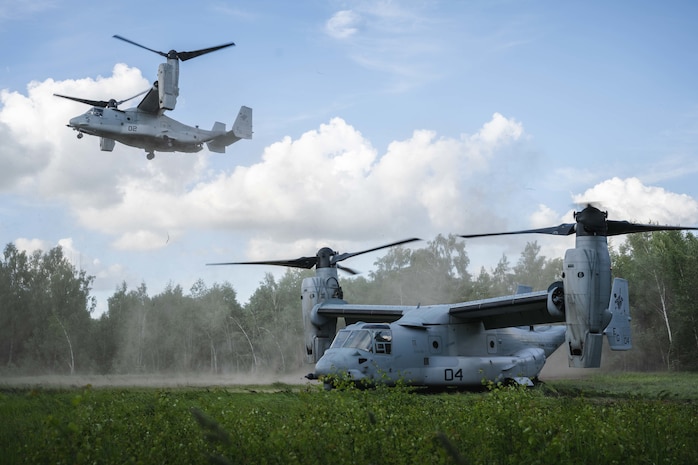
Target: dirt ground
{"type": "Point", "coordinates": [555, 368]}
{"type": "Point", "coordinates": [160, 380]}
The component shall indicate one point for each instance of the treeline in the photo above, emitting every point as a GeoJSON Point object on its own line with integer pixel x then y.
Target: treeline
{"type": "Point", "coordinates": [46, 323]}
{"type": "Point", "coordinates": [662, 273]}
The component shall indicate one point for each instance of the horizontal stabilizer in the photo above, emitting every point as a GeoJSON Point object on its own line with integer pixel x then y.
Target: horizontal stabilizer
{"type": "Point", "coordinates": [618, 330]}
{"type": "Point", "coordinates": [242, 129]}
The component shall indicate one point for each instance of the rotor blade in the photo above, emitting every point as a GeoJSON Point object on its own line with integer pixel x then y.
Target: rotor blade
{"type": "Point", "coordinates": [184, 56]}
{"type": "Point", "coordinates": [344, 256]}
{"type": "Point", "coordinates": [94, 103]}
{"type": "Point", "coordinates": [624, 227]}
{"type": "Point", "coordinates": [347, 270]}
{"type": "Point", "coordinates": [303, 262]}
{"type": "Point", "coordinates": [131, 98]}
{"type": "Point", "coordinates": [163, 54]}
{"type": "Point", "coordinates": [100, 103]}
{"type": "Point", "coordinates": [564, 229]}
{"type": "Point", "coordinates": [309, 262]}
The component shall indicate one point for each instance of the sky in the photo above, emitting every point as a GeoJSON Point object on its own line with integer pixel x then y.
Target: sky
{"type": "Point", "coordinates": [374, 121]}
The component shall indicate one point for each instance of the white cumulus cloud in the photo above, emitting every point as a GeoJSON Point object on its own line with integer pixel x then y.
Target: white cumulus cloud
{"type": "Point", "coordinates": [629, 199]}
{"type": "Point", "coordinates": [342, 24]}
{"type": "Point", "coordinates": [330, 182]}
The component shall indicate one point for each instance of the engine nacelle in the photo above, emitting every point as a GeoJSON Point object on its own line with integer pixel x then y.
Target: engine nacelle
{"type": "Point", "coordinates": [168, 85]}
{"type": "Point", "coordinates": [318, 330]}
{"type": "Point", "coordinates": [587, 282]}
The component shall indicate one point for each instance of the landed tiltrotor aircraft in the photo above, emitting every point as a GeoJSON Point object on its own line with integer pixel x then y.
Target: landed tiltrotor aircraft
{"type": "Point", "coordinates": [465, 344]}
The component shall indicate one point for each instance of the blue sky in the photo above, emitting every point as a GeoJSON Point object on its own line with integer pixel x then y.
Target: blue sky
{"type": "Point", "coordinates": [373, 121]}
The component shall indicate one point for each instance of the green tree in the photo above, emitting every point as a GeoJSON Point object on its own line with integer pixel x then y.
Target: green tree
{"type": "Point", "coordinates": [125, 324]}
{"type": "Point", "coordinates": [67, 296]}
{"type": "Point", "coordinates": [502, 282]}
{"type": "Point", "coordinates": [17, 318]}
{"type": "Point", "coordinates": [661, 270]}
{"type": "Point", "coordinates": [391, 278]}
{"type": "Point", "coordinates": [173, 341]}
{"type": "Point", "coordinates": [483, 285]}
{"type": "Point", "coordinates": [216, 310]}
{"type": "Point", "coordinates": [46, 310]}
{"type": "Point", "coordinates": [434, 274]}
{"type": "Point", "coordinates": [535, 270]}
{"type": "Point", "coordinates": [273, 321]}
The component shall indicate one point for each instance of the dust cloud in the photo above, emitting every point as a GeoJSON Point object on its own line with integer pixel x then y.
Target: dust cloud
{"type": "Point", "coordinates": [158, 380]}
{"type": "Point", "coordinates": [557, 367]}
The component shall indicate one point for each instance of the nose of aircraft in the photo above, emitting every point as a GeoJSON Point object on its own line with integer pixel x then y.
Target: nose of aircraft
{"type": "Point", "coordinates": [328, 363]}
{"type": "Point", "coordinates": [340, 361]}
{"type": "Point", "coordinates": [78, 122]}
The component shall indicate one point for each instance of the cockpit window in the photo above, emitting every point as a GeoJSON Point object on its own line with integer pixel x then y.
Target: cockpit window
{"type": "Point", "coordinates": [359, 339]}
{"type": "Point", "coordinates": [339, 339]}
{"type": "Point", "coordinates": [97, 111]}
{"type": "Point", "coordinates": [379, 341]}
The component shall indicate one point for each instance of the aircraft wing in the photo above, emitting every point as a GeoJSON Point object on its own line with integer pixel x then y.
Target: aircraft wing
{"type": "Point", "coordinates": [367, 313]}
{"type": "Point", "coordinates": [151, 101]}
{"type": "Point", "coordinates": [531, 308]}
{"type": "Point", "coordinates": [502, 312]}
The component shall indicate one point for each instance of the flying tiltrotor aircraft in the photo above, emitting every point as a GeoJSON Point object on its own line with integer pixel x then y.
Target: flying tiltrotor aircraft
{"type": "Point", "coordinates": [145, 126]}
{"type": "Point", "coordinates": [463, 344]}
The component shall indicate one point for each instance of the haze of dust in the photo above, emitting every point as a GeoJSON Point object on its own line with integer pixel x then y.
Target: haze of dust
{"type": "Point", "coordinates": [157, 380]}
{"type": "Point", "coordinates": [555, 368]}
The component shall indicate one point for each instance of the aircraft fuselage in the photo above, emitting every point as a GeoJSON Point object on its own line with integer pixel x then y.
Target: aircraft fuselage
{"type": "Point", "coordinates": [143, 130]}
{"type": "Point", "coordinates": [455, 354]}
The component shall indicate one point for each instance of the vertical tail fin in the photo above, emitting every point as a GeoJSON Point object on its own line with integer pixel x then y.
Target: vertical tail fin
{"type": "Point", "coordinates": [242, 129]}
{"type": "Point", "coordinates": [618, 330]}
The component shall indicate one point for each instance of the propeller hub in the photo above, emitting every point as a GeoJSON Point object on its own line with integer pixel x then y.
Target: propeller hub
{"type": "Point", "coordinates": [592, 222]}
{"type": "Point", "coordinates": [324, 257]}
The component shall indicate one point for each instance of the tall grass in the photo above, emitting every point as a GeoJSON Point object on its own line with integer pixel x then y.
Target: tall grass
{"type": "Point", "coordinates": [560, 423]}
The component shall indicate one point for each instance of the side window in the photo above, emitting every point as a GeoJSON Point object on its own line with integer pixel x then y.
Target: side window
{"type": "Point", "coordinates": [383, 340]}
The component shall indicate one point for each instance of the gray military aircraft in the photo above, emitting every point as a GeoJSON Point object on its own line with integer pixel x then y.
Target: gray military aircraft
{"type": "Point", "coordinates": [464, 344]}
{"type": "Point", "coordinates": [145, 126]}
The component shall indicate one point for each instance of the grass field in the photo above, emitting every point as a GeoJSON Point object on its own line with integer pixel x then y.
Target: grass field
{"type": "Point", "coordinates": [630, 418]}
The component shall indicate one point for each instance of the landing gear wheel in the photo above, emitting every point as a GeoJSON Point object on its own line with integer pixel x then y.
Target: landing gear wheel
{"type": "Point", "coordinates": [150, 155]}
{"type": "Point", "coordinates": [79, 135]}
